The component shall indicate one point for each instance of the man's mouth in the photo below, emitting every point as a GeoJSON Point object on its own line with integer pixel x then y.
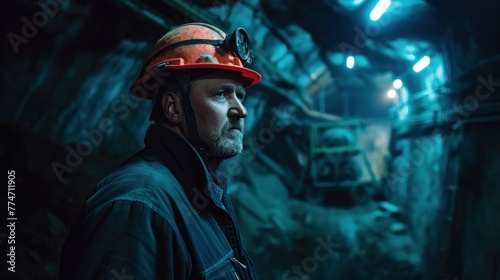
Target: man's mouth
{"type": "Point", "coordinates": [237, 126]}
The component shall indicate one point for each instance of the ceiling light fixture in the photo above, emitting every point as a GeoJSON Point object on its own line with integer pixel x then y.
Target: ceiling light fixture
{"type": "Point", "coordinates": [421, 64]}
{"type": "Point", "coordinates": [350, 62]}
{"type": "Point", "coordinates": [379, 9]}
{"type": "Point", "coordinates": [391, 94]}
{"type": "Point", "coordinates": [397, 84]}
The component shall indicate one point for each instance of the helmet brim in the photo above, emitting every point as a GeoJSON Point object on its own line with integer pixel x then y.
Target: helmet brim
{"type": "Point", "coordinates": [250, 77]}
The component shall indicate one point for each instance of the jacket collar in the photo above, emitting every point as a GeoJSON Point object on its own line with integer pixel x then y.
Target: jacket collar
{"type": "Point", "coordinates": [185, 163]}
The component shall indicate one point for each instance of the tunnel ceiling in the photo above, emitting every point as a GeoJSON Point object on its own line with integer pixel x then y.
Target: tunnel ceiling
{"type": "Point", "coordinates": [383, 50]}
{"type": "Point", "coordinates": [301, 47]}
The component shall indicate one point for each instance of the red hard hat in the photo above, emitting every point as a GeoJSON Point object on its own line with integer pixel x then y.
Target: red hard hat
{"type": "Point", "coordinates": [194, 46]}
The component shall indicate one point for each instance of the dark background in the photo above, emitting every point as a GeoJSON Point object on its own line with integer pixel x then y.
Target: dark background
{"type": "Point", "coordinates": [410, 193]}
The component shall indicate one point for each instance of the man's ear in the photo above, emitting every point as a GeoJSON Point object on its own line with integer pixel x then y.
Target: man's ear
{"type": "Point", "coordinates": [172, 109]}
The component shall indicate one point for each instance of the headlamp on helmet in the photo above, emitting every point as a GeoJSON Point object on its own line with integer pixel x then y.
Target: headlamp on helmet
{"type": "Point", "coordinates": [238, 44]}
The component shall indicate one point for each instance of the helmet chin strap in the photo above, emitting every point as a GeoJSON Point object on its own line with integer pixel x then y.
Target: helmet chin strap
{"type": "Point", "coordinates": [193, 136]}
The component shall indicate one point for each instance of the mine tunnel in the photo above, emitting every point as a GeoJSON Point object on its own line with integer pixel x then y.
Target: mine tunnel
{"type": "Point", "coordinates": [370, 149]}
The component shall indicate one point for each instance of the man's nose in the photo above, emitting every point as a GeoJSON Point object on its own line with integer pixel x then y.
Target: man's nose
{"type": "Point", "coordinates": [237, 109]}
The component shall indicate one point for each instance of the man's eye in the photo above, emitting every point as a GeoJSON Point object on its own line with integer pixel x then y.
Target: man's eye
{"type": "Point", "coordinates": [219, 94]}
{"type": "Point", "coordinates": [240, 96]}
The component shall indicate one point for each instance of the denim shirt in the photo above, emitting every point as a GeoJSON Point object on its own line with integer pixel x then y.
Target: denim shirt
{"type": "Point", "coordinates": [161, 215]}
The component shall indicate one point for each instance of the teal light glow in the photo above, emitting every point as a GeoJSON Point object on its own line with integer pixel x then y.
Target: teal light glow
{"type": "Point", "coordinates": [404, 109]}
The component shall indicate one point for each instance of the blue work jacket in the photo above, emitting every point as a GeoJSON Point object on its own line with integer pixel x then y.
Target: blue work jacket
{"type": "Point", "coordinates": [161, 215]}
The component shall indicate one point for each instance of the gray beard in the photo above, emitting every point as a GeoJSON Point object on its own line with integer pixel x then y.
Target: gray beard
{"type": "Point", "coordinates": [224, 145]}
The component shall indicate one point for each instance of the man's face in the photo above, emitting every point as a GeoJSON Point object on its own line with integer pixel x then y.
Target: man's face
{"type": "Point", "coordinates": [216, 100]}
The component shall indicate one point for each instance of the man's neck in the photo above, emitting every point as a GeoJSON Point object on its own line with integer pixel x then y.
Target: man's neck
{"type": "Point", "coordinates": [212, 164]}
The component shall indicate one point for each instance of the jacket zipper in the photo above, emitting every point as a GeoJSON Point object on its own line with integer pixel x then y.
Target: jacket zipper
{"type": "Point", "coordinates": [235, 260]}
{"type": "Point", "coordinates": [232, 221]}
{"type": "Point", "coordinates": [235, 273]}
